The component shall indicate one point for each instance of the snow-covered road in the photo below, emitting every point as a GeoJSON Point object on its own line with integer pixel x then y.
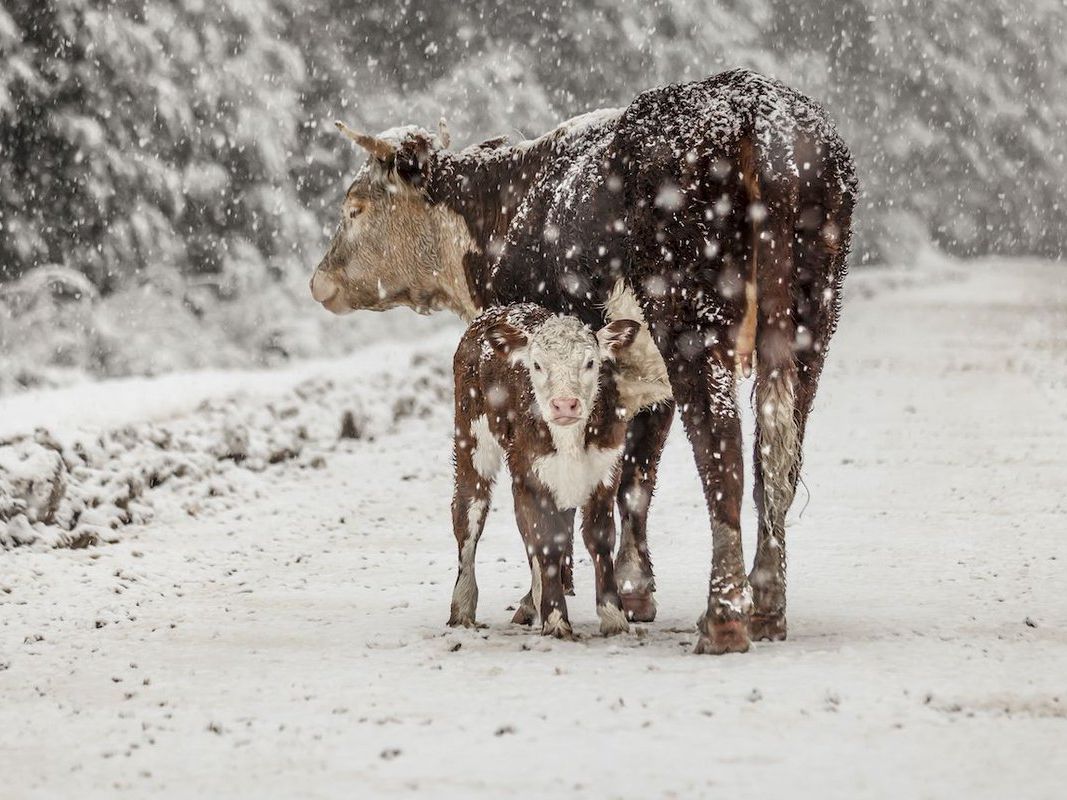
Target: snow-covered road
{"type": "Point", "coordinates": [285, 637]}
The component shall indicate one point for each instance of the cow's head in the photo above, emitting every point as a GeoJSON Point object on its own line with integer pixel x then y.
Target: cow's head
{"type": "Point", "coordinates": [563, 358]}
{"type": "Point", "coordinates": [392, 247]}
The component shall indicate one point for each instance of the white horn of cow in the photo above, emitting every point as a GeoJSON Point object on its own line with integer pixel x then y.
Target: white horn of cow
{"type": "Point", "coordinates": [443, 134]}
{"type": "Point", "coordinates": [379, 148]}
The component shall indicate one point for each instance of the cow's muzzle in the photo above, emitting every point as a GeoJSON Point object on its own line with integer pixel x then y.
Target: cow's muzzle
{"type": "Point", "coordinates": [326, 291]}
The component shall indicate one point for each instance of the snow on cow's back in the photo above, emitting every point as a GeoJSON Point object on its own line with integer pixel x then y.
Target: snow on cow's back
{"type": "Point", "coordinates": [582, 142]}
{"type": "Point", "coordinates": [592, 123]}
{"type": "Point", "coordinates": [708, 117]}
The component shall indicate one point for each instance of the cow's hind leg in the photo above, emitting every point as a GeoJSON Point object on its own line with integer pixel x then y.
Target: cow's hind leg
{"type": "Point", "coordinates": [633, 567]}
{"type": "Point", "coordinates": [704, 391]}
{"type": "Point", "coordinates": [776, 461]}
{"type": "Point", "coordinates": [796, 330]}
{"type": "Point", "coordinates": [781, 418]}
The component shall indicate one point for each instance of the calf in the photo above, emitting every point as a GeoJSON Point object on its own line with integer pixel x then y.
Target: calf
{"type": "Point", "coordinates": [539, 390]}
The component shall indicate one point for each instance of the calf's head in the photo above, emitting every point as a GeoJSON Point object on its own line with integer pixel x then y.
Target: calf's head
{"type": "Point", "coordinates": [389, 245]}
{"type": "Point", "coordinates": [563, 358]}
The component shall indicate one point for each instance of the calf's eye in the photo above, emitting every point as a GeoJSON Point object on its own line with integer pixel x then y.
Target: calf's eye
{"type": "Point", "coordinates": [537, 367]}
{"type": "Point", "coordinates": [589, 364]}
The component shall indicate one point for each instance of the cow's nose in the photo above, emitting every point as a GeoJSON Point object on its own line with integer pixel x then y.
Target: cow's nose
{"type": "Point", "coordinates": [565, 406]}
{"type": "Point", "coordinates": [322, 288]}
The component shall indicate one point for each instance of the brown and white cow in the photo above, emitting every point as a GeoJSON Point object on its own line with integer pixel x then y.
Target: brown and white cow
{"type": "Point", "coordinates": [718, 213]}
{"type": "Point", "coordinates": [538, 390]}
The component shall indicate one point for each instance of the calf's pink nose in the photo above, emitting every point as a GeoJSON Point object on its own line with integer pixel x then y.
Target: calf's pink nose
{"type": "Point", "coordinates": [565, 406]}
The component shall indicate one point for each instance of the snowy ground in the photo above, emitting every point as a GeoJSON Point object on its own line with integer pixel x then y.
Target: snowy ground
{"type": "Point", "coordinates": [277, 630]}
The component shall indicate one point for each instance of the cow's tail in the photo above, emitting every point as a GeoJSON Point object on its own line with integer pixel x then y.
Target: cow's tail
{"type": "Point", "coordinates": [773, 186]}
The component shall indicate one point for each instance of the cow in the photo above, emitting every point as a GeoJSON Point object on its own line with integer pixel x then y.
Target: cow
{"type": "Point", "coordinates": [538, 390]}
{"type": "Point", "coordinates": [716, 213]}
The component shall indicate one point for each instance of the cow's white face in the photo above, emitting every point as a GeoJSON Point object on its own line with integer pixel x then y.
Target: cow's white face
{"type": "Point", "coordinates": [392, 247]}
{"type": "Point", "coordinates": [563, 359]}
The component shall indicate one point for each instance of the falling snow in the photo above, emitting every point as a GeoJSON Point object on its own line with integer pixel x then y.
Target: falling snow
{"type": "Point", "coordinates": [225, 546]}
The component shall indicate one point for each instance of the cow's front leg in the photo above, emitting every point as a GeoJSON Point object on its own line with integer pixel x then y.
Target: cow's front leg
{"type": "Point", "coordinates": [705, 393]}
{"type": "Point", "coordinates": [633, 567]}
{"type": "Point", "coordinates": [598, 530]}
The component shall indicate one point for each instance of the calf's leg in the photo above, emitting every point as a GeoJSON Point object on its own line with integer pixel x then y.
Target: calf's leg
{"type": "Point", "coordinates": [545, 532]}
{"type": "Point", "coordinates": [526, 611]}
{"type": "Point", "coordinates": [598, 530]}
{"type": "Point", "coordinates": [470, 506]}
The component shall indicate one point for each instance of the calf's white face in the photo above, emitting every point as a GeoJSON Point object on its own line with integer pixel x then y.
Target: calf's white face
{"type": "Point", "coordinates": [563, 358]}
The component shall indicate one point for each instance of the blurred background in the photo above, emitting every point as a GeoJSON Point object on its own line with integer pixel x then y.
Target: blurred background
{"type": "Point", "coordinates": [169, 175]}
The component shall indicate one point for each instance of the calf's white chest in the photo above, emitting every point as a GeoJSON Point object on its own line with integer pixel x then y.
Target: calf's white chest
{"type": "Point", "coordinates": [574, 471]}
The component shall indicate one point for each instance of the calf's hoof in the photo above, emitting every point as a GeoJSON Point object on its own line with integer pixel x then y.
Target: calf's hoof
{"type": "Point", "coordinates": [557, 626]}
{"type": "Point", "coordinates": [639, 606]}
{"type": "Point", "coordinates": [612, 620]}
{"type": "Point", "coordinates": [717, 638]}
{"type": "Point", "coordinates": [767, 627]}
{"type": "Point", "coordinates": [463, 620]}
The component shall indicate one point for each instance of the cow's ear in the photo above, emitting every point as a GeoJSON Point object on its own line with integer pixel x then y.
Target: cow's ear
{"type": "Point", "coordinates": [505, 338]}
{"type": "Point", "coordinates": [412, 160]}
{"type": "Point", "coordinates": [409, 169]}
{"type": "Point", "coordinates": [616, 336]}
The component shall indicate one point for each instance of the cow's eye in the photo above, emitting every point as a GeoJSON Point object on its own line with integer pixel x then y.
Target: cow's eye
{"type": "Point", "coordinates": [589, 364]}
{"type": "Point", "coordinates": [537, 367]}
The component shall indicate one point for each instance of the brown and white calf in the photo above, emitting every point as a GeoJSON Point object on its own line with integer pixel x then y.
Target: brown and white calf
{"type": "Point", "coordinates": [538, 390]}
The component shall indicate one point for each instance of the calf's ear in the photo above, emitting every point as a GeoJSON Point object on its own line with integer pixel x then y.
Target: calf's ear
{"type": "Point", "coordinates": [616, 336]}
{"type": "Point", "coordinates": [505, 338]}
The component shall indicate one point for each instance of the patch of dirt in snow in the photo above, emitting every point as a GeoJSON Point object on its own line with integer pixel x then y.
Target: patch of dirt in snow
{"type": "Point", "coordinates": [78, 489]}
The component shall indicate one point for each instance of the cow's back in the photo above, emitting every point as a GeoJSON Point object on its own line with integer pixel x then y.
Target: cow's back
{"type": "Point", "coordinates": [560, 233]}
{"type": "Point", "coordinates": [657, 186]}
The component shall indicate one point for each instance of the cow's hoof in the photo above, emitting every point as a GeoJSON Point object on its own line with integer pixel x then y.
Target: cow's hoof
{"type": "Point", "coordinates": [767, 627]}
{"type": "Point", "coordinates": [639, 606]}
{"type": "Point", "coordinates": [612, 620]}
{"type": "Point", "coordinates": [524, 616]}
{"type": "Point", "coordinates": [722, 637]}
{"type": "Point", "coordinates": [557, 626]}
{"type": "Point", "coordinates": [525, 613]}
